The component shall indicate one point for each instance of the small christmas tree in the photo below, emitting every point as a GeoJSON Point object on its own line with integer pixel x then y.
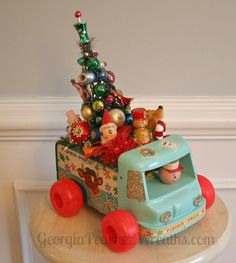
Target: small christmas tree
{"type": "Point", "coordinates": [96, 87]}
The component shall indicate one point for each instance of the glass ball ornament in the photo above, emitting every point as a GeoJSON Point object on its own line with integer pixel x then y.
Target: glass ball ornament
{"type": "Point", "coordinates": [103, 64]}
{"type": "Point", "coordinates": [117, 103]}
{"type": "Point", "coordinates": [100, 89]}
{"type": "Point", "coordinates": [110, 100]}
{"type": "Point", "coordinates": [128, 119]}
{"type": "Point", "coordinates": [78, 132]}
{"type": "Point", "coordinates": [86, 77]}
{"type": "Point", "coordinates": [98, 120]}
{"type": "Point", "coordinates": [93, 63]}
{"type": "Point", "coordinates": [86, 111]}
{"type": "Point", "coordinates": [111, 76]}
{"type": "Point", "coordinates": [80, 61]}
{"type": "Point", "coordinates": [102, 75]}
{"type": "Point", "coordinates": [95, 134]}
{"type": "Point", "coordinates": [98, 105]}
{"type": "Point", "coordinates": [118, 117]}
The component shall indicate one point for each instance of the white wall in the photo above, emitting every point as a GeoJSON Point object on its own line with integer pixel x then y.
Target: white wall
{"type": "Point", "coordinates": [156, 48]}
{"type": "Point", "coordinates": [184, 47]}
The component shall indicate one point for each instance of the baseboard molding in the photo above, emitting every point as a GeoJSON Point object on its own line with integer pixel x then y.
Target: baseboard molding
{"type": "Point", "coordinates": [195, 117]}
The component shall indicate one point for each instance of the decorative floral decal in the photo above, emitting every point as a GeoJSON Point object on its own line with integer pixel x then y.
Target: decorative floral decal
{"type": "Point", "coordinates": [109, 196]}
{"type": "Point", "coordinates": [107, 187]}
{"type": "Point", "coordinates": [115, 191]}
{"type": "Point", "coordinates": [73, 167]}
{"type": "Point", "coordinates": [146, 152]}
{"type": "Point", "coordinates": [62, 175]}
{"type": "Point", "coordinates": [62, 157]}
{"type": "Point", "coordinates": [106, 173]}
{"type": "Point", "coordinates": [148, 233]}
{"type": "Point", "coordinates": [67, 168]}
{"type": "Point", "coordinates": [169, 144]}
{"type": "Point", "coordinates": [115, 178]}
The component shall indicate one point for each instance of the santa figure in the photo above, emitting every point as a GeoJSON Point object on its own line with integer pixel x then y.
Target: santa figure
{"type": "Point", "coordinates": [108, 129]}
{"type": "Point", "coordinates": [160, 129]}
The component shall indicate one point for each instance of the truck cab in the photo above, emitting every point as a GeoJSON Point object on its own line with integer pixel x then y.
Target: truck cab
{"type": "Point", "coordinates": [162, 209]}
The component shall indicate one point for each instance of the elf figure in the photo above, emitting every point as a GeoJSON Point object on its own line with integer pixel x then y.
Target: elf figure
{"type": "Point", "coordinates": [141, 134]}
{"type": "Point", "coordinates": [160, 129]}
{"type": "Point", "coordinates": [108, 129]}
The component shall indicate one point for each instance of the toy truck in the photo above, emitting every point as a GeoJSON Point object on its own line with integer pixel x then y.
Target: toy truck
{"type": "Point", "coordinates": [135, 202]}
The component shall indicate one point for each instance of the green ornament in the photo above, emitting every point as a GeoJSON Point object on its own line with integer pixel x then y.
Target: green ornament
{"type": "Point", "coordinates": [98, 105]}
{"type": "Point", "coordinates": [80, 61]}
{"type": "Point", "coordinates": [82, 30]}
{"type": "Point", "coordinates": [93, 63]}
{"type": "Point", "coordinates": [100, 89]}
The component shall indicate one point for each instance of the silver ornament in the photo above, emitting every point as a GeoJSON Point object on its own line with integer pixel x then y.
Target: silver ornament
{"type": "Point", "coordinates": [86, 77]}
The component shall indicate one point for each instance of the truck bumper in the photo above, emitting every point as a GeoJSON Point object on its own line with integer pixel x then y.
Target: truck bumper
{"type": "Point", "coordinates": [174, 227]}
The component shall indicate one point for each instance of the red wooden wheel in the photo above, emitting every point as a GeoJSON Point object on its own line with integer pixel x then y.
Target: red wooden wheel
{"type": "Point", "coordinates": [66, 197]}
{"type": "Point", "coordinates": [208, 190]}
{"type": "Point", "coordinates": [120, 230]}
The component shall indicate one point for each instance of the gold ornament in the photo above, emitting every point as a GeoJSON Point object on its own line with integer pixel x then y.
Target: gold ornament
{"type": "Point", "coordinates": [98, 105]}
{"type": "Point", "coordinates": [103, 64]}
{"type": "Point", "coordinates": [118, 117]}
{"type": "Point", "coordinates": [86, 111]}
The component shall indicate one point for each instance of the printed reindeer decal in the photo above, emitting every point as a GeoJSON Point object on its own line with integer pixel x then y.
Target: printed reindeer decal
{"type": "Point", "coordinates": [91, 179]}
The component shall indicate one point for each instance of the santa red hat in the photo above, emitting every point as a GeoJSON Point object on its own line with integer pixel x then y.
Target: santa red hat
{"type": "Point", "coordinates": [107, 120]}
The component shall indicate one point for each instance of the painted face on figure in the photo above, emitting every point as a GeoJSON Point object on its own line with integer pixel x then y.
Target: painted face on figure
{"type": "Point", "coordinates": [108, 133]}
{"type": "Point", "coordinates": [169, 178]}
{"type": "Point", "coordinates": [140, 123]}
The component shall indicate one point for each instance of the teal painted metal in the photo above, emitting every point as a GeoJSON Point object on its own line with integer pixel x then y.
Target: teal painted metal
{"type": "Point", "coordinates": [176, 198]}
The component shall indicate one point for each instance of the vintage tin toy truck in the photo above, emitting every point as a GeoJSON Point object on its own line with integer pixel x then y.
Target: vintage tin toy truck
{"type": "Point", "coordinates": [135, 202]}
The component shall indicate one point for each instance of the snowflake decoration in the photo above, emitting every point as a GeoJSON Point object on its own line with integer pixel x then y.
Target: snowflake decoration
{"type": "Point", "coordinates": [73, 167]}
{"type": "Point", "coordinates": [62, 157]}
{"type": "Point", "coordinates": [115, 178]}
{"type": "Point", "coordinates": [108, 187]}
{"type": "Point", "coordinates": [149, 233]}
{"type": "Point", "coordinates": [62, 175]}
{"type": "Point", "coordinates": [109, 196]}
{"type": "Point", "coordinates": [115, 190]}
{"type": "Point", "coordinates": [106, 173]}
{"type": "Point", "coordinates": [67, 168]}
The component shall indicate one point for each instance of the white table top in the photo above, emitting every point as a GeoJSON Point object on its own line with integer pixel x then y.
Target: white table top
{"type": "Point", "coordinates": [78, 239]}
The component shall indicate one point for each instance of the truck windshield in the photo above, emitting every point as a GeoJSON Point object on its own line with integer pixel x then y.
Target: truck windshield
{"type": "Point", "coordinates": [157, 188]}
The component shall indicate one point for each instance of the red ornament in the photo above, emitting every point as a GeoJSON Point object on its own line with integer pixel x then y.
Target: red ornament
{"type": "Point", "coordinates": [77, 14]}
{"type": "Point", "coordinates": [124, 101]}
{"type": "Point", "coordinates": [95, 53]}
{"type": "Point", "coordinates": [110, 99]}
{"type": "Point", "coordinates": [79, 131]}
{"type": "Point", "coordinates": [111, 76]}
